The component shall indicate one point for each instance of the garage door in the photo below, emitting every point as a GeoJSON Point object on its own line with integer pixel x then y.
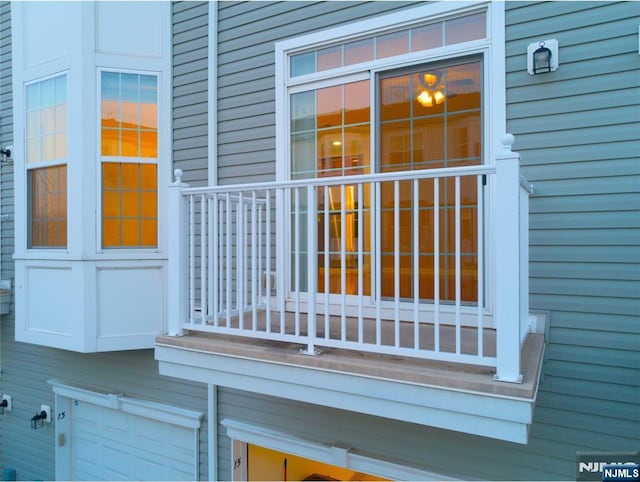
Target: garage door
{"type": "Point", "coordinates": [111, 437]}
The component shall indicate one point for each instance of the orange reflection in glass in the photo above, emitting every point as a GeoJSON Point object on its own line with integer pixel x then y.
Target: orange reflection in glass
{"type": "Point", "coordinates": [48, 206]}
{"type": "Point", "coordinates": [129, 205]}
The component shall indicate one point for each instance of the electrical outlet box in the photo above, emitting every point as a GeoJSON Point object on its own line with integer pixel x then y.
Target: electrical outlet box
{"type": "Point", "coordinates": [47, 409]}
{"type": "Point", "coordinates": [8, 399]}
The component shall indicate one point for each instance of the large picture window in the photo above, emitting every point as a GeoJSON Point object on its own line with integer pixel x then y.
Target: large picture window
{"type": "Point", "coordinates": [129, 153]}
{"type": "Point", "coordinates": [46, 162]}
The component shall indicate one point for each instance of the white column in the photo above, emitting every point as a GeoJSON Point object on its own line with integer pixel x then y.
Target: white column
{"type": "Point", "coordinates": [178, 249]}
{"type": "Point", "coordinates": [507, 249]}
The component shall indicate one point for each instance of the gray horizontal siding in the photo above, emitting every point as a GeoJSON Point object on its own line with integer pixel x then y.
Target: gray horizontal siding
{"type": "Point", "coordinates": [247, 32]}
{"type": "Point", "coordinates": [190, 22]}
{"type": "Point", "coordinates": [26, 368]}
{"type": "Point", "coordinates": [578, 132]}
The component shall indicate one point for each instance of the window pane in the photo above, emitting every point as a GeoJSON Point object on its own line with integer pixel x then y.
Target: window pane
{"type": "Point", "coordinates": [330, 151]}
{"type": "Point", "coordinates": [129, 173]}
{"type": "Point", "coordinates": [396, 43]}
{"type": "Point", "coordinates": [423, 136]}
{"type": "Point", "coordinates": [329, 107]}
{"type": "Point", "coordinates": [463, 136]}
{"type": "Point", "coordinates": [356, 147]}
{"type": "Point", "coordinates": [329, 58]}
{"type": "Point", "coordinates": [129, 88]}
{"type": "Point", "coordinates": [148, 176]}
{"type": "Point", "coordinates": [129, 117]}
{"type": "Point", "coordinates": [110, 86]}
{"type": "Point", "coordinates": [356, 102]}
{"type": "Point", "coordinates": [148, 116]}
{"type": "Point", "coordinates": [395, 98]}
{"type": "Point", "coordinates": [303, 154]}
{"type": "Point", "coordinates": [360, 51]}
{"type": "Point", "coordinates": [428, 142]}
{"type": "Point", "coordinates": [46, 120]}
{"type": "Point", "coordinates": [303, 111]}
{"type": "Point", "coordinates": [148, 144]}
{"type": "Point", "coordinates": [48, 207]}
{"type": "Point", "coordinates": [395, 146]}
{"type": "Point", "coordinates": [427, 37]}
{"type": "Point", "coordinates": [303, 64]}
{"type": "Point", "coordinates": [129, 205]}
{"type": "Point", "coordinates": [129, 143]}
{"type": "Point", "coordinates": [148, 89]}
{"type": "Point", "coordinates": [463, 29]}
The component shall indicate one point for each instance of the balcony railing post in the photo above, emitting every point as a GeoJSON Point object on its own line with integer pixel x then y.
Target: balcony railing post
{"type": "Point", "coordinates": [178, 264]}
{"type": "Point", "coordinates": [312, 271]}
{"type": "Point", "coordinates": [507, 248]}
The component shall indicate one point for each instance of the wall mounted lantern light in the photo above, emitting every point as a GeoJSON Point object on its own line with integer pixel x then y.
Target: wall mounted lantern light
{"type": "Point", "coordinates": [542, 57]}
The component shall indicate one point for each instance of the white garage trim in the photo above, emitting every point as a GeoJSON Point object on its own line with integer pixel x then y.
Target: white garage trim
{"type": "Point", "coordinates": [176, 427]}
{"type": "Point", "coordinates": [335, 455]}
{"type": "Point", "coordinates": [117, 401]}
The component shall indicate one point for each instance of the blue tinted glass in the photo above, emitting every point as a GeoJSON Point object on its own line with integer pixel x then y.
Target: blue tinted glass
{"type": "Point", "coordinates": [148, 89]}
{"type": "Point", "coordinates": [110, 86]}
{"type": "Point", "coordinates": [303, 64]}
{"type": "Point", "coordinates": [129, 87]}
{"type": "Point", "coordinates": [33, 97]}
{"type": "Point", "coordinates": [47, 93]}
{"type": "Point", "coordinates": [60, 84]}
{"type": "Point", "coordinates": [303, 111]}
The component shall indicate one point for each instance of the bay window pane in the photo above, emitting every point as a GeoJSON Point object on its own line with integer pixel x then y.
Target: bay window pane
{"type": "Point", "coordinates": [129, 205]}
{"type": "Point", "coordinates": [48, 207]}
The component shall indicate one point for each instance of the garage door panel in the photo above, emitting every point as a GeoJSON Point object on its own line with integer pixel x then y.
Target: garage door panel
{"type": "Point", "coordinates": [108, 444]}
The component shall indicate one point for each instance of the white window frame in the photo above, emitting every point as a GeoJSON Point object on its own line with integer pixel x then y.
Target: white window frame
{"type": "Point", "coordinates": [491, 48]}
{"type": "Point", "coordinates": [28, 225]}
{"type": "Point", "coordinates": [100, 159]}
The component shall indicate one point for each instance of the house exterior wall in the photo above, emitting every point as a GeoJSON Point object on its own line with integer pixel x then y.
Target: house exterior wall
{"type": "Point", "coordinates": [26, 367]}
{"type": "Point", "coordinates": [190, 90]}
{"type": "Point", "coordinates": [578, 138]}
{"type": "Point", "coordinates": [577, 131]}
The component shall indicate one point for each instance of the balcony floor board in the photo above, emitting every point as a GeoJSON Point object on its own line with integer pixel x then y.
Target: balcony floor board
{"type": "Point", "coordinates": [447, 375]}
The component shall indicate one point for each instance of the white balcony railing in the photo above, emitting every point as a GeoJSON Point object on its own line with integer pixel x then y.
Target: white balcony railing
{"type": "Point", "coordinates": [429, 264]}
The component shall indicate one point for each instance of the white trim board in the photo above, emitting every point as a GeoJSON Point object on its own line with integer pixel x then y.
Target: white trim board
{"type": "Point", "coordinates": [484, 414]}
{"type": "Point", "coordinates": [117, 401]}
{"type": "Point", "coordinates": [333, 455]}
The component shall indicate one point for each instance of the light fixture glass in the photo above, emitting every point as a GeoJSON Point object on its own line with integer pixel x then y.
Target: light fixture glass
{"type": "Point", "coordinates": [337, 143]}
{"type": "Point", "coordinates": [430, 79]}
{"type": "Point", "coordinates": [438, 97]}
{"type": "Point", "coordinates": [541, 59]}
{"type": "Point", "coordinates": [425, 98]}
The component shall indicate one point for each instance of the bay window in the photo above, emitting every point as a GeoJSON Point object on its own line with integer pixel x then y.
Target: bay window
{"type": "Point", "coordinates": [46, 162]}
{"type": "Point", "coordinates": [129, 153]}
